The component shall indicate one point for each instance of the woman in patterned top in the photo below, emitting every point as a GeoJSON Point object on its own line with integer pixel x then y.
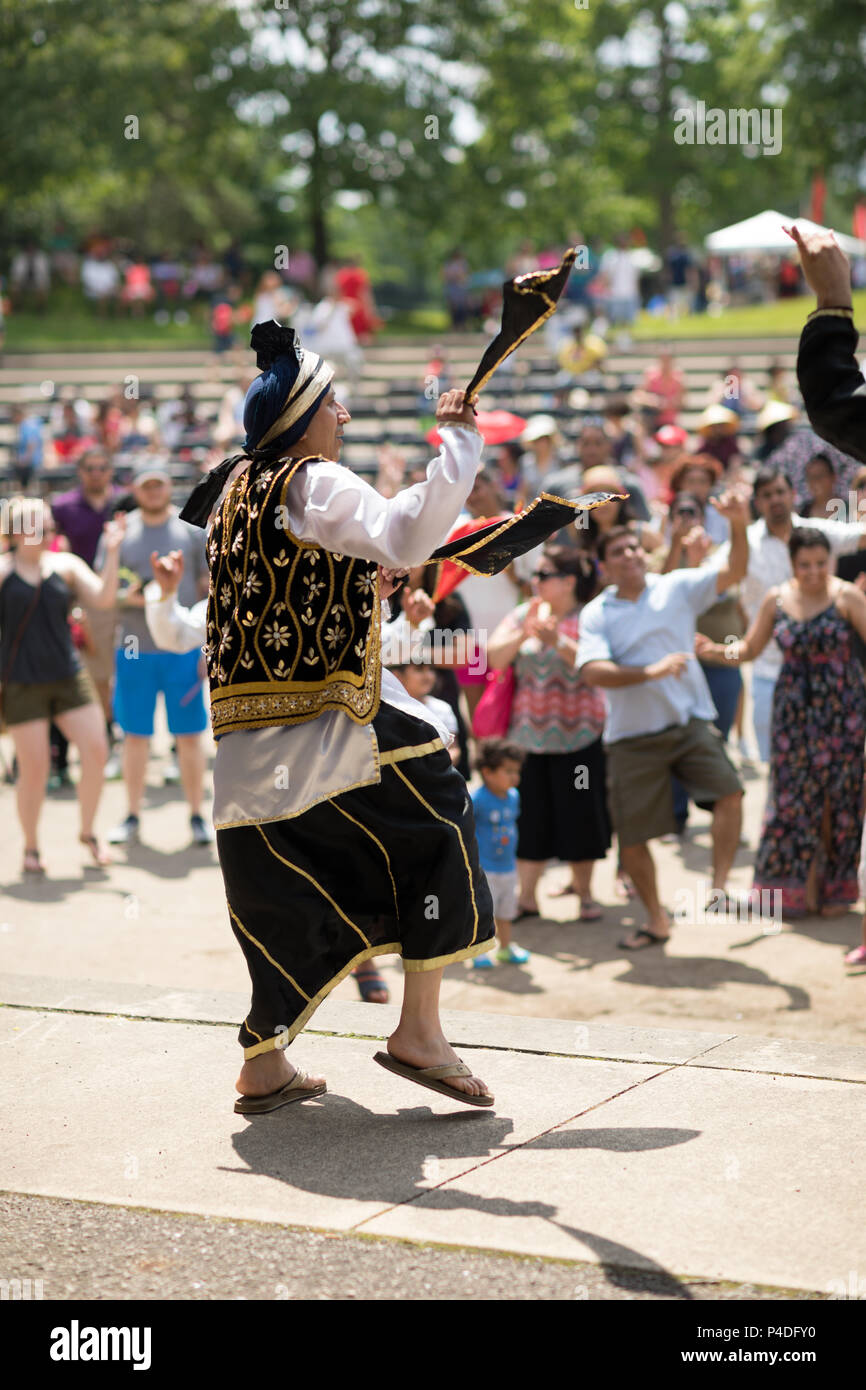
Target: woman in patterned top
{"type": "Point", "coordinates": [559, 721]}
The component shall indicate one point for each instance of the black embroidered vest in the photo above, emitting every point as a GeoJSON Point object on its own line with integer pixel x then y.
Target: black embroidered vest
{"type": "Point", "coordinates": [292, 629]}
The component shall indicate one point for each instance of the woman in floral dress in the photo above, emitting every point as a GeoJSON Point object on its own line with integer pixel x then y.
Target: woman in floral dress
{"type": "Point", "coordinates": [810, 843]}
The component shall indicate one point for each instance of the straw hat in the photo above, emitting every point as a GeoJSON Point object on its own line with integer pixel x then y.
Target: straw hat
{"type": "Point", "coordinates": [718, 415]}
{"type": "Point", "coordinates": [774, 412]}
{"type": "Point", "coordinates": [539, 427]}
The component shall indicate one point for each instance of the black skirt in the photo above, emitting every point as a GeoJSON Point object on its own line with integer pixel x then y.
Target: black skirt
{"type": "Point", "coordinates": [388, 868]}
{"type": "Point", "coordinates": [563, 806]}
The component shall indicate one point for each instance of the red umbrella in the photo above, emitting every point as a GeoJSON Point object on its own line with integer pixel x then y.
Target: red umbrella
{"type": "Point", "coordinates": [451, 575]}
{"type": "Point", "coordinates": [497, 426]}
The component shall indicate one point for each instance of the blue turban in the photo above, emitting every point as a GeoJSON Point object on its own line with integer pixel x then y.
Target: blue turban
{"type": "Point", "coordinates": [282, 401]}
{"type": "Point", "coordinates": [277, 410]}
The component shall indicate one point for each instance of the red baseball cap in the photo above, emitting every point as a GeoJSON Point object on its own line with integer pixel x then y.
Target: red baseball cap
{"type": "Point", "coordinates": [670, 435]}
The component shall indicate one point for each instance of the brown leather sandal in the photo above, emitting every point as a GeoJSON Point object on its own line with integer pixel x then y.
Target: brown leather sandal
{"type": "Point", "coordinates": [293, 1090]}
{"type": "Point", "coordinates": [433, 1077]}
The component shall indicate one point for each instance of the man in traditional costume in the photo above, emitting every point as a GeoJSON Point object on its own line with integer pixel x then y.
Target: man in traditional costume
{"type": "Point", "coordinates": [830, 379]}
{"type": "Point", "coordinates": [834, 392]}
{"type": "Point", "coordinates": [343, 830]}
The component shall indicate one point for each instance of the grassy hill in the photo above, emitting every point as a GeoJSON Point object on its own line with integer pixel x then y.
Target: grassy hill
{"type": "Point", "coordinates": [71, 326]}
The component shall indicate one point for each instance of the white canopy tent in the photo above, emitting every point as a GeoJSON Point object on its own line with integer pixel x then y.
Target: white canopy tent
{"type": "Point", "coordinates": [763, 232]}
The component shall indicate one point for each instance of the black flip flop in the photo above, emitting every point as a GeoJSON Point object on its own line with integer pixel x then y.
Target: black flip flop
{"type": "Point", "coordinates": [651, 940]}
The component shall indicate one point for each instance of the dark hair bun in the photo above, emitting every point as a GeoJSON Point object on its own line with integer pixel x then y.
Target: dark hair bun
{"type": "Point", "coordinates": [271, 340]}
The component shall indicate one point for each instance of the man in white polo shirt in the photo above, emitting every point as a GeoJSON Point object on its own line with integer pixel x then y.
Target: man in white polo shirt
{"type": "Point", "coordinates": [637, 643]}
{"type": "Point", "coordinates": [769, 566]}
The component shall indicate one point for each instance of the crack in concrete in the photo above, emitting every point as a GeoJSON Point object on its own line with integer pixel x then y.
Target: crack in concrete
{"type": "Point", "coordinates": [515, 1148]}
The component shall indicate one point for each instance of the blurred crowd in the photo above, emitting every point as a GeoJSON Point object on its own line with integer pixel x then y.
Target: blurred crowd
{"type": "Point", "coordinates": [116, 279]}
{"type": "Point", "coordinates": [611, 283]}
{"type": "Point", "coordinates": [746, 458]}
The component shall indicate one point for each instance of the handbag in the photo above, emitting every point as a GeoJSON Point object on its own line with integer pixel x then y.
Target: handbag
{"type": "Point", "coordinates": [492, 715]}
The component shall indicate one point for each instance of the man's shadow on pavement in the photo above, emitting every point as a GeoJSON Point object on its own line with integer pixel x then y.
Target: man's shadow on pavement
{"type": "Point", "coordinates": [336, 1147]}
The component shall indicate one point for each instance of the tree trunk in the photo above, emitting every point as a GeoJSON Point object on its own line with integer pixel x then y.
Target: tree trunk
{"type": "Point", "coordinates": [664, 134]}
{"type": "Point", "coordinates": [318, 220]}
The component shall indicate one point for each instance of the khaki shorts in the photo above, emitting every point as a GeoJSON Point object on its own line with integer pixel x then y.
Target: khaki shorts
{"type": "Point", "coordinates": [46, 699]}
{"type": "Point", "coordinates": [102, 624]}
{"type": "Point", "coordinates": [503, 890]}
{"type": "Point", "coordinates": [639, 792]}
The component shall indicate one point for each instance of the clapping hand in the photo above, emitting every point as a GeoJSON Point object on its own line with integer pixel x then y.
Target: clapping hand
{"type": "Point", "coordinates": [167, 571]}
{"type": "Point", "coordinates": [417, 606]}
{"type": "Point", "coordinates": [696, 545]}
{"type": "Point", "coordinates": [541, 623]}
{"type": "Point", "coordinates": [114, 531]}
{"type": "Point", "coordinates": [734, 504]}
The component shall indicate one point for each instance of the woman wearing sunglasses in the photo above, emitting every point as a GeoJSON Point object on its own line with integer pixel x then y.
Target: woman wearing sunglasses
{"type": "Point", "coordinates": [558, 721]}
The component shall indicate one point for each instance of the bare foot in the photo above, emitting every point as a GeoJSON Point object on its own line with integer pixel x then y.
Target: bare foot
{"type": "Point", "coordinates": [432, 1050]}
{"type": "Point", "coordinates": [269, 1072]}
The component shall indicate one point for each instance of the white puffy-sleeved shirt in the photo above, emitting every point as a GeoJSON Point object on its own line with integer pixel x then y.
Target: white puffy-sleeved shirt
{"type": "Point", "coordinates": [263, 775]}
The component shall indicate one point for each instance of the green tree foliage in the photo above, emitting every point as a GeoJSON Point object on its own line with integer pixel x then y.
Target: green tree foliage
{"type": "Point", "coordinates": [403, 129]}
{"type": "Point", "coordinates": [822, 56]}
{"type": "Point", "coordinates": [75, 76]}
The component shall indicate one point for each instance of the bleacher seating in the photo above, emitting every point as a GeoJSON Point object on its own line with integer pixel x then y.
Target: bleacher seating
{"type": "Point", "coordinates": [388, 403]}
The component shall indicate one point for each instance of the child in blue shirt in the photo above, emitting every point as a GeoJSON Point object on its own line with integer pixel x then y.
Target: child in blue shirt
{"type": "Point", "coordinates": [497, 806]}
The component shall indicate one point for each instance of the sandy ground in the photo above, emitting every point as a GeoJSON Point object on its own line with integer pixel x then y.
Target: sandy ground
{"type": "Point", "coordinates": [158, 917]}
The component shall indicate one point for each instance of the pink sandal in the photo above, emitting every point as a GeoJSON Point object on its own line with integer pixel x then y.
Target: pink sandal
{"type": "Point", "coordinates": [101, 856]}
{"type": "Point", "coordinates": [590, 910]}
{"type": "Point", "coordinates": [857, 956]}
{"type": "Point", "coordinates": [33, 864]}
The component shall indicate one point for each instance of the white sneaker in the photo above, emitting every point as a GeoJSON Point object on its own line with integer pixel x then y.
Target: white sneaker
{"type": "Point", "coordinates": [113, 770]}
{"type": "Point", "coordinates": [202, 834]}
{"type": "Point", "coordinates": [171, 773]}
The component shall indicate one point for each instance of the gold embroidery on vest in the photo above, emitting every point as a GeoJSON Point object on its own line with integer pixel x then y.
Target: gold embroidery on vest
{"type": "Point", "coordinates": [297, 626]}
